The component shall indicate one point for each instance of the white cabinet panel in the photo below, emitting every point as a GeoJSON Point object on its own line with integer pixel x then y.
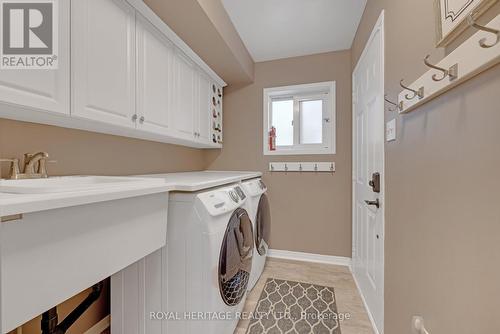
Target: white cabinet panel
{"type": "Point", "coordinates": [154, 78]}
{"type": "Point", "coordinates": [204, 119]}
{"type": "Point", "coordinates": [184, 91]}
{"type": "Point", "coordinates": [46, 90]}
{"type": "Point", "coordinates": [103, 56]}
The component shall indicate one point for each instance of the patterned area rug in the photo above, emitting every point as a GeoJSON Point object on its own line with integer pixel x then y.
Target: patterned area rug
{"type": "Point", "coordinates": [287, 307]}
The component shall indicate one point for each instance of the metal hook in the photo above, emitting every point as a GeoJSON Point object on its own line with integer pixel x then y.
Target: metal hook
{"type": "Point", "coordinates": [482, 42]}
{"type": "Point", "coordinates": [419, 92]}
{"type": "Point", "coordinates": [452, 72]}
{"type": "Point", "coordinates": [392, 103]}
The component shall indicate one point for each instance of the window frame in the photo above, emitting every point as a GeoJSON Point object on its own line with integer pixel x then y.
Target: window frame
{"type": "Point", "coordinates": [325, 91]}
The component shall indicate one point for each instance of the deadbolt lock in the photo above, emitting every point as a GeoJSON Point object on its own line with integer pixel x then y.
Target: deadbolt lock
{"type": "Point", "coordinates": [375, 182]}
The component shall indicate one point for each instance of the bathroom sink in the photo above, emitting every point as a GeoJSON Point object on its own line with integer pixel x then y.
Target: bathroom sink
{"type": "Point", "coordinates": [69, 184]}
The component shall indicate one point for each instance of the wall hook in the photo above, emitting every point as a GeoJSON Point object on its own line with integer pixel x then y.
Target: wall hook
{"type": "Point", "coordinates": [452, 72]}
{"type": "Point", "coordinates": [392, 103]}
{"type": "Point", "coordinates": [482, 42]}
{"type": "Point", "coordinates": [419, 92]}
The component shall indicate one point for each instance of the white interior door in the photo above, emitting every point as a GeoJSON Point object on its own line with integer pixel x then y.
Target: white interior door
{"type": "Point", "coordinates": [368, 158]}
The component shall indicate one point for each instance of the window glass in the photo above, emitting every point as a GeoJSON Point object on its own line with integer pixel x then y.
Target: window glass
{"type": "Point", "coordinates": [311, 122]}
{"type": "Point", "coordinates": [282, 120]}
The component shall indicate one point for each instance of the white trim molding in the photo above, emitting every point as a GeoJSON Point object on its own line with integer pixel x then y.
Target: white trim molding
{"type": "Point", "coordinates": [309, 257]}
{"type": "Point", "coordinates": [370, 316]}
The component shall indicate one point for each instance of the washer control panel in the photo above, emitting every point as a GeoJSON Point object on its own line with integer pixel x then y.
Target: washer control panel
{"type": "Point", "coordinates": [222, 200]}
{"type": "Point", "coordinates": [240, 192]}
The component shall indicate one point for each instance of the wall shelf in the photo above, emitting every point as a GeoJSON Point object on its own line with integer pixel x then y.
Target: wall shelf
{"type": "Point", "coordinates": [465, 62]}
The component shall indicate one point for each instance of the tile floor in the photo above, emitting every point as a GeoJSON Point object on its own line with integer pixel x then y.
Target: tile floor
{"type": "Point", "coordinates": [338, 277]}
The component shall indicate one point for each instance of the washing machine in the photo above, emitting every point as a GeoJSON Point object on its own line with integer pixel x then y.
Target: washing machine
{"type": "Point", "coordinates": [210, 250]}
{"type": "Point", "coordinates": [257, 205]}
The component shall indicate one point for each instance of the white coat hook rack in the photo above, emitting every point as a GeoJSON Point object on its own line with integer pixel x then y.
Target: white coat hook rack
{"type": "Point", "coordinates": [477, 54]}
{"type": "Point", "coordinates": [318, 167]}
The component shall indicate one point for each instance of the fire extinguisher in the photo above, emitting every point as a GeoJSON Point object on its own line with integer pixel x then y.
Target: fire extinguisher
{"type": "Point", "coordinates": [272, 139]}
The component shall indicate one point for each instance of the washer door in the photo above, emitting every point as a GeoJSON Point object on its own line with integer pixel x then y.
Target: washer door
{"type": "Point", "coordinates": [235, 261]}
{"type": "Point", "coordinates": [263, 225]}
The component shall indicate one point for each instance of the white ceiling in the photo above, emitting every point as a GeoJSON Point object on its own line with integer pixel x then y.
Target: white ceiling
{"type": "Point", "coordinates": [274, 29]}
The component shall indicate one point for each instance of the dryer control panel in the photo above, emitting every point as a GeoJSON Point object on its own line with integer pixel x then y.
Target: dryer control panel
{"type": "Point", "coordinates": [222, 200]}
{"type": "Point", "coordinates": [254, 188]}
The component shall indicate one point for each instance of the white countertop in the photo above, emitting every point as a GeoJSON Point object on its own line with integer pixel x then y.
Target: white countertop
{"type": "Point", "coordinates": [12, 204]}
{"type": "Point", "coordinates": [196, 181]}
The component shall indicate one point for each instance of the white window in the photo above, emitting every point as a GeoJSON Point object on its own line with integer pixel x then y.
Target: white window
{"type": "Point", "coordinates": [303, 117]}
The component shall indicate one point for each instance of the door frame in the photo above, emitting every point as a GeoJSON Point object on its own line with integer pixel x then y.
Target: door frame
{"type": "Point", "coordinates": [380, 25]}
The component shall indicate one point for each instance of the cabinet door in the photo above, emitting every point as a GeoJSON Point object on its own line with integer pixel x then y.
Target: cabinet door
{"type": "Point", "coordinates": [204, 118]}
{"type": "Point", "coordinates": [154, 78]}
{"type": "Point", "coordinates": [46, 90]}
{"type": "Point", "coordinates": [184, 91]}
{"type": "Point", "coordinates": [103, 57]}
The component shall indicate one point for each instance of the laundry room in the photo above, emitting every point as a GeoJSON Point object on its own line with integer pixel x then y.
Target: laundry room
{"type": "Point", "coordinates": [249, 167]}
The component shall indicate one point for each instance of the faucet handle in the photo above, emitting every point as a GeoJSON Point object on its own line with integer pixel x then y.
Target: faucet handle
{"type": "Point", "coordinates": [42, 167]}
{"type": "Point", "coordinates": [14, 167]}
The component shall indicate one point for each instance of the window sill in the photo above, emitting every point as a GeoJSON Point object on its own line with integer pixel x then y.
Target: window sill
{"type": "Point", "coordinates": [300, 152]}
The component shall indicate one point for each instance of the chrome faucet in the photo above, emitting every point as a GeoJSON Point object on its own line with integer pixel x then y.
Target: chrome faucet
{"type": "Point", "coordinates": [34, 166]}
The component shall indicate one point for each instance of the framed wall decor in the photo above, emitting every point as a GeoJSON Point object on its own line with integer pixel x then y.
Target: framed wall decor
{"type": "Point", "coordinates": [452, 15]}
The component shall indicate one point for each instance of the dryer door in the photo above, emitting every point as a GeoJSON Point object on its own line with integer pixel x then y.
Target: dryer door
{"type": "Point", "coordinates": [263, 225]}
{"type": "Point", "coordinates": [235, 260]}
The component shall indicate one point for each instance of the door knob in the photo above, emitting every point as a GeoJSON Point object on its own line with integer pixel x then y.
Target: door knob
{"type": "Point", "coordinates": [375, 203]}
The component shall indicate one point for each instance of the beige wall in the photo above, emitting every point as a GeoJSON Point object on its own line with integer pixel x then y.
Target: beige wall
{"type": "Point", "coordinates": [310, 212]}
{"type": "Point", "coordinates": [442, 221]}
{"type": "Point", "coordinates": [81, 152]}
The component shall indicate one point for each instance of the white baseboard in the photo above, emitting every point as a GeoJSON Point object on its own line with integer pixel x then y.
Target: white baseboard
{"type": "Point", "coordinates": [370, 316]}
{"type": "Point", "coordinates": [100, 326]}
{"type": "Point", "coordinates": [308, 257]}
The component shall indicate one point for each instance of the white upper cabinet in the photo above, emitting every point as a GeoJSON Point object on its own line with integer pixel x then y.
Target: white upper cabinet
{"type": "Point", "coordinates": [154, 78]}
{"type": "Point", "coordinates": [103, 57]}
{"type": "Point", "coordinates": [46, 90]}
{"type": "Point", "coordinates": [203, 121]}
{"type": "Point", "coordinates": [121, 71]}
{"type": "Point", "coordinates": [184, 97]}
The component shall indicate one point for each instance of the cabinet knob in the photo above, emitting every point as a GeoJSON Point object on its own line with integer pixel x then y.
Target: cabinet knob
{"type": "Point", "coordinates": [141, 120]}
{"type": "Point", "coordinates": [134, 118]}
